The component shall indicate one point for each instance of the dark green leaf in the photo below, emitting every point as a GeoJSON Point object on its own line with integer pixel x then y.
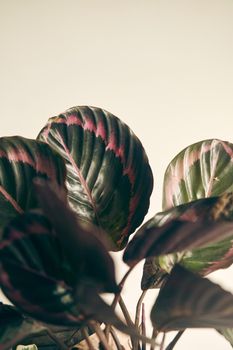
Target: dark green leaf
{"type": "Point", "coordinates": [189, 301]}
{"type": "Point", "coordinates": [198, 235]}
{"type": "Point", "coordinates": [14, 327]}
{"type": "Point", "coordinates": [34, 274]}
{"type": "Point", "coordinates": [21, 160]}
{"type": "Point", "coordinates": [84, 244]}
{"type": "Point", "coordinates": [201, 170]}
{"type": "Point", "coordinates": [109, 179]}
{"type": "Point", "coordinates": [182, 228]}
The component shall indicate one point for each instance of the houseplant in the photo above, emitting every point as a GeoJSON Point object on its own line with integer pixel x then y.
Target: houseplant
{"type": "Point", "coordinates": [79, 191]}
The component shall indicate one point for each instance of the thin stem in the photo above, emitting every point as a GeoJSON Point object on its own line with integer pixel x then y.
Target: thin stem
{"type": "Point", "coordinates": [87, 339]}
{"type": "Point", "coordinates": [163, 341]}
{"type": "Point", "coordinates": [143, 326]}
{"type": "Point", "coordinates": [127, 318]}
{"type": "Point", "coordinates": [175, 340]}
{"type": "Point", "coordinates": [123, 280]}
{"type": "Point", "coordinates": [117, 297]}
{"type": "Point", "coordinates": [154, 336]}
{"type": "Point", "coordinates": [125, 312]}
{"type": "Point", "coordinates": [138, 308]}
{"type": "Point", "coordinates": [121, 285]}
{"type": "Point", "coordinates": [56, 340]}
{"type": "Point", "coordinates": [100, 334]}
{"type": "Point", "coordinates": [115, 338]}
{"type": "Point", "coordinates": [137, 315]}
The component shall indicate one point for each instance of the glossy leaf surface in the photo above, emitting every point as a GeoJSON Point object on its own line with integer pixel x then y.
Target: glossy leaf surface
{"type": "Point", "coordinates": [14, 327]}
{"type": "Point", "coordinates": [85, 246]}
{"type": "Point", "coordinates": [31, 255]}
{"type": "Point", "coordinates": [33, 272]}
{"type": "Point", "coordinates": [190, 301]}
{"type": "Point", "coordinates": [204, 169]}
{"type": "Point", "coordinates": [181, 230]}
{"type": "Point", "coordinates": [201, 170]}
{"type": "Point", "coordinates": [109, 179]}
{"type": "Point", "coordinates": [21, 160]}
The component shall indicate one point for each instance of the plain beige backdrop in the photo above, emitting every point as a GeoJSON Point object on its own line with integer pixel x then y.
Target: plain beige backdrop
{"type": "Point", "coordinates": [164, 67]}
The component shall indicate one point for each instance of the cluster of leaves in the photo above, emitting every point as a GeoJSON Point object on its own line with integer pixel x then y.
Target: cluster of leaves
{"type": "Point", "coordinates": [80, 190]}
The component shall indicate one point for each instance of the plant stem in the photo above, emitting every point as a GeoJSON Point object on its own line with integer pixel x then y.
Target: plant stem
{"type": "Point", "coordinates": [138, 308]}
{"type": "Point", "coordinates": [115, 338]}
{"type": "Point", "coordinates": [137, 315]}
{"type": "Point", "coordinates": [87, 339]}
{"type": "Point", "coordinates": [122, 282]}
{"type": "Point", "coordinates": [154, 336]}
{"type": "Point", "coordinates": [163, 341]}
{"type": "Point", "coordinates": [174, 341]}
{"type": "Point", "coordinates": [100, 334]}
{"type": "Point", "coordinates": [117, 297]}
{"type": "Point", "coordinates": [56, 340]}
{"type": "Point", "coordinates": [143, 326]}
{"type": "Point", "coordinates": [127, 318]}
{"type": "Point", "coordinates": [125, 312]}
{"type": "Point", "coordinates": [121, 285]}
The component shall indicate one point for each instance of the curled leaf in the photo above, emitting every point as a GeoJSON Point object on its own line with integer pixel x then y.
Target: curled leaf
{"type": "Point", "coordinates": [183, 228]}
{"type": "Point", "coordinates": [198, 235]}
{"type": "Point", "coordinates": [189, 301]}
{"type": "Point", "coordinates": [109, 179]}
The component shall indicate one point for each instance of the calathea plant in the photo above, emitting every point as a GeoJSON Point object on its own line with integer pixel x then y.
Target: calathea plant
{"type": "Point", "coordinates": [79, 191]}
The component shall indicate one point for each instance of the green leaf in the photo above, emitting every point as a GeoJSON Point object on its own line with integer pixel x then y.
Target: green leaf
{"type": "Point", "coordinates": [85, 246]}
{"type": "Point", "coordinates": [188, 300]}
{"type": "Point", "coordinates": [109, 179]}
{"type": "Point", "coordinates": [183, 230]}
{"type": "Point", "coordinates": [227, 333]}
{"type": "Point", "coordinates": [204, 169]}
{"type": "Point", "coordinates": [34, 274]}
{"type": "Point", "coordinates": [31, 255]}
{"type": "Point", "coordinates": [21, 160]}
{"type": "Point", "coordinates": [14, 327]}
{"type": "Point", "coordinates": [201, 170]}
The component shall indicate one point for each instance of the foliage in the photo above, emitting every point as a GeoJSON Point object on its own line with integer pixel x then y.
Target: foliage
{"type": "Point", "coordinates": [79, 191]}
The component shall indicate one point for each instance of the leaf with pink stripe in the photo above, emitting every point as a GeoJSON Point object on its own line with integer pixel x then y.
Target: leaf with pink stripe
{"type": "Point", "coordinates": [21, 160]}
{"type": "Point", "coordinates": [197, 234]}
{"type": "Point", "coordinates": [201, 170]}
{"type": "Point", "coordinates": [34, 274]}
{"type": "Point", "coordinates": [109, 179]}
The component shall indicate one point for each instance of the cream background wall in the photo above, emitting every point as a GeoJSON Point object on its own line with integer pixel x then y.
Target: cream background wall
{"type": "Point", "coordinates": [164, 67]}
